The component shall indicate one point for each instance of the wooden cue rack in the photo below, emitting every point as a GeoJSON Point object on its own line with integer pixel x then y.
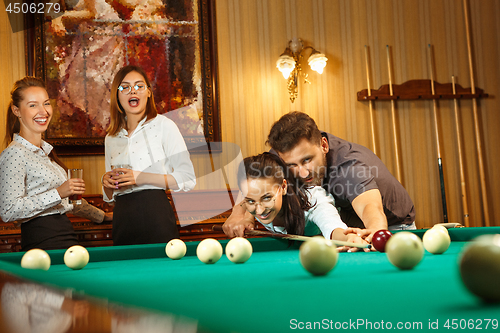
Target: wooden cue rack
{"type": "Point", "coordinates": [419, 89]}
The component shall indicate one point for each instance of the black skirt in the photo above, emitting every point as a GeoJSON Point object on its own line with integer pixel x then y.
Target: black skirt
{"type": "Point", "coordinates": [143, 217]}
{"type": "Point", "coordinates": [48, 233]}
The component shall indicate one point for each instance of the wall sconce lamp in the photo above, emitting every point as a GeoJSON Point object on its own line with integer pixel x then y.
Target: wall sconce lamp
{"type": "Point", "coordinates": [289, 64]}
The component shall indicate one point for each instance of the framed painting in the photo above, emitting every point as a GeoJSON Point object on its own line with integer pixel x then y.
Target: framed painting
{"type": "Point", "coordinates": [78, 51]}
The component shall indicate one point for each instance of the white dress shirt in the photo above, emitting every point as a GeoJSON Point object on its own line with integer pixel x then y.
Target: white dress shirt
{"type": "Point", "coordinates": [155, 146]}
{"type": "Point", "coordinates": [322, 217]}
{"type": "Point", "coordinates": [28, 182]}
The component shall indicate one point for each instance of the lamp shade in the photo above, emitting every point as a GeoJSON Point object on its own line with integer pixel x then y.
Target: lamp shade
{"type": "Point", "coordinates": [317, 61]}
{"type": "Point", "coordinates": [285, 64]}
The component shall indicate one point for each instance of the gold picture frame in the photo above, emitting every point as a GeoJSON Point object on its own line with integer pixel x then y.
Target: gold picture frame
{"type": "Point", "coordinates": [178, 37]}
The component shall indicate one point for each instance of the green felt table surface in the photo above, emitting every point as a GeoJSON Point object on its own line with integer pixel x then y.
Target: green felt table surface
{"type": "Point", "coordinates": [271, 292]}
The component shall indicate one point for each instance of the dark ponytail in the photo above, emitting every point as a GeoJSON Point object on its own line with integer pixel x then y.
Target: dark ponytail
{"type": "Point", "coordinates": [295, 201]}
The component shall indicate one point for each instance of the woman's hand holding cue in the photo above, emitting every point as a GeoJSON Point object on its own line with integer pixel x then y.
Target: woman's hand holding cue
{"type": "Point", "coordinates": [354, 238]}
{"type": "Point", "coordinates": [365, 234]}
{"type": "Point", "coordinates": [351, 237]}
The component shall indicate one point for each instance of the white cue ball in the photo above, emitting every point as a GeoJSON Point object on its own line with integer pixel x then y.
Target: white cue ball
{"type": "Point", "coordinates": [436, 241]}
{"type": "Point", "coordinates": [36, 259]}
{"type": "Point", "coordinates": [176, 249]}
{"type": "Point", "coordinates": [76, 257]}
{"type": "Point", "coordinates": [404, 250]}
{"type": "Point", "coordinates": [239, 250]}
{"type": "Point", "coordinates": [318, 255]}
{"type": "Point", "coordinates": [209, 251]}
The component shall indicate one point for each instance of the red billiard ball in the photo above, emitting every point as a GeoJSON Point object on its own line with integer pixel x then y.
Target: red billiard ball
{"type": "Point", "coordinates": [380, 238]}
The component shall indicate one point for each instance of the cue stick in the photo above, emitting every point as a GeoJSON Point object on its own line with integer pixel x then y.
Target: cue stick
{"type": "Point", "coordinates": [436, 130]}
{"type": "Point", "coordinates": [460, 158]}
{"type": "Point", "coordinates": [393, 111]}
{"type": "Point", "coordinates": [294, 237]}
{"type": "Point", "coordinates": [450, 225]}
{"type": "Point", "coordinates": [370, 102]}
{"type": "Point", "coordinates": [482, 176]}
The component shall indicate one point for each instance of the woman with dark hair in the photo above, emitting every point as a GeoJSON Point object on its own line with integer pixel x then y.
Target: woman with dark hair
{"type": "Point", "coordinates": [275, 200]}
{"type": "Point", "coordinates": [145, 155]}
{"type": "Point", "coordinates": [34, 188]}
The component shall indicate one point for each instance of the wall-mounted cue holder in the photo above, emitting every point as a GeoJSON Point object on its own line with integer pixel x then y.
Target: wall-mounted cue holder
{"type": "Point", "coordinates": [419, 89]}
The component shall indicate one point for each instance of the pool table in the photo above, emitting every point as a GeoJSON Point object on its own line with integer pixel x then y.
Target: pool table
{"type": "Point", "coordinates": [271, 292]}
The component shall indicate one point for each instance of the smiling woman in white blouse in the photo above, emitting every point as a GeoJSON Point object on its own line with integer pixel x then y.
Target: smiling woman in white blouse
{"type": "Point", "coordinates": [34, 188]}
{"type": "Point", "coordinates": [145, 155]}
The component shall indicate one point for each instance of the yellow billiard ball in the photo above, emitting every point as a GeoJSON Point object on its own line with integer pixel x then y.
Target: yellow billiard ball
{"type": "Point", "coordinates": [36, 259]}
{"type": "Point", "coordinates": [76, 257]}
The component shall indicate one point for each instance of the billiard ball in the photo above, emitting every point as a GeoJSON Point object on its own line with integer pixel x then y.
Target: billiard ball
{"type": "Point", "coordinates": [176, 249]}
{"type": "Point", "coordinates": [480, 267]}
{"type": "Point", "coordinates": [76, 257]}
{"type": "Point", "coordinates": [239, 250]}
{"type": "Point", "coordinates": [436, 241]}
{"type": "Point", "coordinates": [404, 250]}
{"type": "Point", "coordinates": [36, 259]}
{"type": "Point", "coordinates": [318, 255]}
{"type": "Point", "coordinates": [380, 238]}
{"type": "Point", "coordinates": [209, 251]}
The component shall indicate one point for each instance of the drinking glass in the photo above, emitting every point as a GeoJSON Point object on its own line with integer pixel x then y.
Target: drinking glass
{"type": "Point", "coordinates": [75, 173]}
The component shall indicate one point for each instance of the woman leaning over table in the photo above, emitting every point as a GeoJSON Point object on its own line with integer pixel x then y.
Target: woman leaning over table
{"type": "Point", "coordinates": [145, 154]}
{"type": "Point", "coordinates": [34, 188]}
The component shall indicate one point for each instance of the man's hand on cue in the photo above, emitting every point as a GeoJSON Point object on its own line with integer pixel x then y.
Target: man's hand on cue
{"type": "Point", "coordinates": [353, 236]}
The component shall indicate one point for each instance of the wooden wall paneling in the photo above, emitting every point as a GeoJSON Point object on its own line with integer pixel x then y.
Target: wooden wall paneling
{"type": "Point", "coordinates": [12, 60]}
{"type": "Point", "coordinates": [93, 169]}
{"type": "Point", "coordinates": [487, 51]}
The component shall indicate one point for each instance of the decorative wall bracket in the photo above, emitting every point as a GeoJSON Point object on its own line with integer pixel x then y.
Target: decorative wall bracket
{"type": "Point", "coordinates": [420, 89]}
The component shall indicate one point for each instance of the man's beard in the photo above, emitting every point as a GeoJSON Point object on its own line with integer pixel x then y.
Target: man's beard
{"type": "Point", "coordinates": [317, 176]}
